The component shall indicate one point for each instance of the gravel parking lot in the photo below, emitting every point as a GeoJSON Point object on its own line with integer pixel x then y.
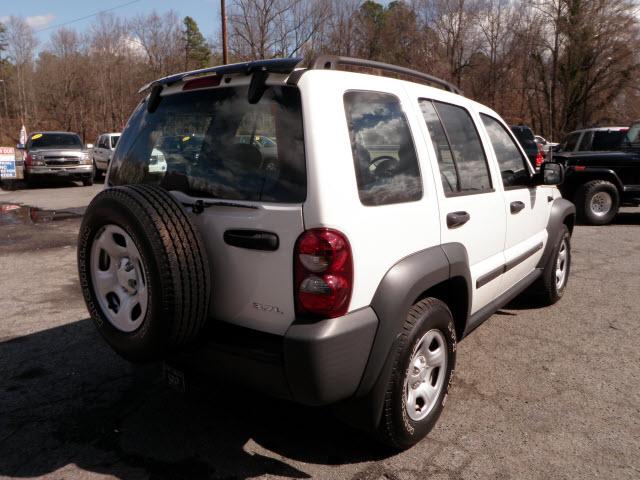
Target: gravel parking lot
{"type": "Point", "coordinates": [548, 393]}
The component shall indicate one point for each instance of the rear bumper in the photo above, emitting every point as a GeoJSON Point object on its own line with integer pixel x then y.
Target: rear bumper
{"type": "Point", "coordinates": [314, 363]}
{"type": "Point", "coordinates": [76, 171]}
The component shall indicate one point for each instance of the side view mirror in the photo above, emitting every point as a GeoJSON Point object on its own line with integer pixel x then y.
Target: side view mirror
{"type": "Point", "coordinates": [20, 146]}
{"type": "Point", "coordinates": [551, 173]}
{"type": "Point", "coordinates": [89, 145]}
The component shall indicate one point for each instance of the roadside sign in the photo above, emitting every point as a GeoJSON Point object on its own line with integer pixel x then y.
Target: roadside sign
{"type": "Point", "coordinates": [8, 163]}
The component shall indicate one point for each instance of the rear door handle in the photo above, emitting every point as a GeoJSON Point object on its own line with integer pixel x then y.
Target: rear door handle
{"type": "Point", "coordinates": [457, 219]}
{"type": "Point", "coordinates": [516, 206]}
{"type": "Point", "coordinates": [252, 239]}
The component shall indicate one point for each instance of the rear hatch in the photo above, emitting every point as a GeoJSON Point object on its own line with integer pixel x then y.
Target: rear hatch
{"type": "Point", "coordinates": [248, 193]}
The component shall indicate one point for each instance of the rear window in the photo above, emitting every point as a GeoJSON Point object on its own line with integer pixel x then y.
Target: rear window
{"type": "Point", "coordinates": [209, 143]}
{"type": "Point", "coordinates": [608, 139]}
{"type": "Point", "coordinates": [570, 142]}
{"type": "Point", "coordinates": [39, 141]}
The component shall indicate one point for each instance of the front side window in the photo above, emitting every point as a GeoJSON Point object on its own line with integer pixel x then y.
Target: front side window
{"type": "Point", "coordinates": [461, 158]}
{"type": "Point", "coordinates": [570, 142]}
{"type": "Point", "coordinates": [114, 141]}
{"type": "Point", "coordinates": [203, 144]}
{"type": "Point", "coordinates": [513, 168]}
{"type": "Point", "coordinates": [383, 152]}
{"type": "Point", "coordinates": [585, 142]}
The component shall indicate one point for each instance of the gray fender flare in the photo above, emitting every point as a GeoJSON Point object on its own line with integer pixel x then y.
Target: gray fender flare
{"type": "Point", "coordinates": [560, 210]}
{"type": "Point", "coordinates": [398, 290]}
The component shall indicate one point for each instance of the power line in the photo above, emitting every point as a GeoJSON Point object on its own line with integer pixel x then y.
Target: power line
{"type": "Point", "coordinates": [86, 16]}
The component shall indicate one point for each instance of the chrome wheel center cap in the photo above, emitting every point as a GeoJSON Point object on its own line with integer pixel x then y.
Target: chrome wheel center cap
{"type": "Point", "coordinates": [127, 276]}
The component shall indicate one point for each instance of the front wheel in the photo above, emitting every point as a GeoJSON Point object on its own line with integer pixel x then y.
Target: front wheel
{"type": "Point", "coordinates": [425, 357]}
{"type": "Point", "coordinates": [551, 285]}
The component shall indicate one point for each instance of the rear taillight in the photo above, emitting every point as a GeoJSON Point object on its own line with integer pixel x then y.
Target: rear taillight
{"type": "Point", "coordinates": [539, 159]}
{"type": "Point", "coordinates": [323, 273]}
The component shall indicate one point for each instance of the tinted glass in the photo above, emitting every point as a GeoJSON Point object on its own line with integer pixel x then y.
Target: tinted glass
{"type": "Point", "coordinates": [585, 141]}
{"type": "Point", "coordinates": [513, 168]}
{"type": "Point", "coordinates": [608, 139]}
{"type": "Point", "coordinates": [194, 143]}
{"type": "Point", "coordinates": [468, 154]}
{"type": "Point", "coordinates": [114, 140]}
{"type": "Point", "coordinates": [54, 140]}
{"type": "Point", "coordinates": [448, 173]}
{"type": "Point", "coordinates": [523, 134]}
{"type": "Point", "coordinates": [570, 142]}
{"type": "Point", "coordinates": [633, 135]}
{"type": "Point", "coordinates": [383, 152]}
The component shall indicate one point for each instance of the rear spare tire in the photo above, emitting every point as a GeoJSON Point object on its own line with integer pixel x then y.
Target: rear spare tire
{"type": "Point", "coordinates": [143, 271]}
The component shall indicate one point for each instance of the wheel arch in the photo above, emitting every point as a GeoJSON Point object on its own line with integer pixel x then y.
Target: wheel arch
{"type": "Point", "coordinates": [441, 272]}
{"type": "Point", "coordinates": [563, 212]}
{"type": "Point", "coordinates": [579, 178]}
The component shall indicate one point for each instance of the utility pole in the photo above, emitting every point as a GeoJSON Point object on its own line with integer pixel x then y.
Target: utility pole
{"type": "Point", "coordinates": [225, 58]}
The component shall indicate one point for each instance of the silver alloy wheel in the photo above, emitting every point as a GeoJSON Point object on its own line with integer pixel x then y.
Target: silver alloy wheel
{"type": "Point", "coordinates": [426, 374]}
{"type": "Point", "coordinates": [562, 264]}
{"type": "Point", "coordinates": [118, 278]}
{"type": "Point", "coordinates": [601, 204]}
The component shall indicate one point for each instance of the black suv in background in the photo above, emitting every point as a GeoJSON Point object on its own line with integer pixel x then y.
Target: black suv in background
{"type": "Point", "coordinates": [526, 138]}
{"type": "Point", "coordinates": [593, 139]}
{"type": "Point", "coordinates": [600, 182]}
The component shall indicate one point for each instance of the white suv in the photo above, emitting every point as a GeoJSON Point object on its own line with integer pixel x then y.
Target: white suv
{"type": "Point", "coordinates": [390, 220]}
{"type": "Point", "coordinates": [103, 151]}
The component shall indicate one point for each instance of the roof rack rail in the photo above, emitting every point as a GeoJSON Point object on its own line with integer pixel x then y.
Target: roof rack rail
{"type": "Point", "coordinates": [276, 65]}
{"type": "Point", "coordinates": [332, 62]}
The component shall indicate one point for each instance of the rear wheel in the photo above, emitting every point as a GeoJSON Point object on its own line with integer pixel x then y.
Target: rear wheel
{"type": "Point", "coordinates": [87, 182]}
{"type": "Point", "coordinates": [143, 271]}
{"type": "Point", "coordinates": [597, 202]}
{"type": "Point", "coordinates": [425, 357]}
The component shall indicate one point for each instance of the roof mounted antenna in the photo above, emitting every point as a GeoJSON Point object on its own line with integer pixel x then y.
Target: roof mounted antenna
{"type": "Point", "coordinates": [333, 62]}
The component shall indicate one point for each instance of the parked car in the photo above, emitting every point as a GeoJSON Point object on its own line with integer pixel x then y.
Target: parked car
{"type": "Point", "coordinates": [340, 276]}
{"type": "Point", "coordinates": [545, 145]}
{"type": "Point", "coordinates": [57, 155]}
{"type": "Point", "coordinates": [103, 152]}
{"type": "Point", "coordinates": [593, 139]}
{"type": "Point", "coordinates": [526, 138]}
{"type": "Point", "coordinates": [600, 182]}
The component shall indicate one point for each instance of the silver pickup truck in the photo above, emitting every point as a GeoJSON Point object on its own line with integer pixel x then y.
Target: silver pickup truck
{"type": "Point", "coordinates": [57, 155]}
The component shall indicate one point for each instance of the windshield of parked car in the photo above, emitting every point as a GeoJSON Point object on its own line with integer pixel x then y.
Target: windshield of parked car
{"type": "Point", "coordinates": [114, 140]}
{"type": "Point", "coordinates": [44, 141]}
{"type": "Point", "coordinates": [215, 144]}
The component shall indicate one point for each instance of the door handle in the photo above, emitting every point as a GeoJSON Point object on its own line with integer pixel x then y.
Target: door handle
{"type": "Point", "coordinates": [516, 206]}
{"type": "Point", "coordinates": [252, 239]}
{"type": "Point", "coordinates": [457, 219]}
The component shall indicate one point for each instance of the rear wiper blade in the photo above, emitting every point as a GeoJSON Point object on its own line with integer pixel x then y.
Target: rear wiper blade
{"type": "Point", "coordinates": [199, 205]}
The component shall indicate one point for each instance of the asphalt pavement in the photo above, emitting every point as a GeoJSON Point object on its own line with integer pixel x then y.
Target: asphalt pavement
{"type": "Point", "coordinates": [538, 393]}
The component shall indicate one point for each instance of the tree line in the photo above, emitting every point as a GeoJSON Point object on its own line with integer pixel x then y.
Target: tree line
{"type": "Point", "coordinates": [555, 65]}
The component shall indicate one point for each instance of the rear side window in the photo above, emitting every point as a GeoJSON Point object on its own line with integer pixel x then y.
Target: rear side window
{"type": "Point", "coordinates": [513, 168]}
{"type": "Point", "coordinates": [384, 155]}
{"type": "Point", "coordinates": [608, 139]}
{"type": "Point", "coordinates": [207, 143]}
{"type": "Point", "coordinates": [462, 161]}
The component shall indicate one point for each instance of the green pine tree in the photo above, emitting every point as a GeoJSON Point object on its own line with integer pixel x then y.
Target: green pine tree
{"type": "Point", "coordinates": [197, 52]}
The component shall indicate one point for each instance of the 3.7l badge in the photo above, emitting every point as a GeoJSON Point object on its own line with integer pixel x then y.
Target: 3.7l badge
{"type": "Point", "coordinates": [267, 308]}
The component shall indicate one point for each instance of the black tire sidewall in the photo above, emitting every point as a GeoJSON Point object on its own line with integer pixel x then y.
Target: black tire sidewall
{"type": "Point", "coordinates": [587, 194]}
{"type": "Point", "coordinates": [148, 340]}
{"type": "Point", "coordinates": [407, 432]}
{"type": "Point", "coordinates": [551, 268]}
